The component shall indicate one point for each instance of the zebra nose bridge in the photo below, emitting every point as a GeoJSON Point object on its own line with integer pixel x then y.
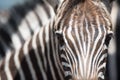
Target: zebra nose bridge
{"type": "Point", "coordinates": [88, 67]}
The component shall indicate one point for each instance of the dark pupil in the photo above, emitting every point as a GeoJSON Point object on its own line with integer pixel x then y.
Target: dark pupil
{"type": "Point", "coordinates": [108, 38]}
{"type": "Point", "coordinates": [60, 39]}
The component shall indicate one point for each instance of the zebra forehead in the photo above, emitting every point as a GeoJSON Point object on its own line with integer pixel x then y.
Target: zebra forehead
{"type": "Point", "coordinates": [86, 21]}
{"type": "Point", "coordinates": [90, 16]}
{"type": "Point", "coordinates": [75, 25]}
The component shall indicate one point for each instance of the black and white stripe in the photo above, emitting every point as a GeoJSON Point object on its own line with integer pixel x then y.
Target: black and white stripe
{"type": "Point", "coordinates": [23, 21]}
{"type": "Point", "coordinates": [36, 60]}
{"type": "Point", "coordinates": [73, 46]}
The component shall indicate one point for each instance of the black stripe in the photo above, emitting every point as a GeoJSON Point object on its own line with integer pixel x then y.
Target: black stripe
{"type": "Point", "coordinates": [69, 77]}
{"type": "Point", "coordinates": [15, 20]}
{"type": "Point", "coordinates": [2, 49]}
{"type": "Point", "coordinates": [51, 55]}
{"type": "Point", "coordinates": [105, 59]}
{"type": "Point", "coordinates": [48, 72]}
{"type": "Point", "coordinates": [34, 62]}
{"type": "Point", "coordinates": [47, 10]}
{"type": "Point", "coordinates": [2, 71]}
{"type": "Point", "coordinates": [24, 65]}
{"type": "Point", "coordinates": [63, 59]}
{"type": "Point", "coordinates": [5, 36]}
{"type": "Point", "coordinates": [11, 31]}
{"type": "Point", "coordinates": [39, 51]}
{"type": "Point", "coordinates": [37, 16]}
{"type": "Point", "coordinates": [38, 1]}
{"type": "Point", "coordinates": [13, 69]}
{"type": "Point", "coordinates": [28, 24]}
{"type": "Point", "coordinates": [102, 70]}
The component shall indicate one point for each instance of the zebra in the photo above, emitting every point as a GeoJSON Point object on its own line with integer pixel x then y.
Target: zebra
{"type": "Point", "coordinates": [23, 20]}
{"type": "Point", "coordinates": [73, 46]}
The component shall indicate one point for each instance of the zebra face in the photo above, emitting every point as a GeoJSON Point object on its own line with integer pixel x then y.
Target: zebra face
{"type": "Point", "coordinates": [83, 36]}
{"type": "Point", "coordinates": [83, 51]}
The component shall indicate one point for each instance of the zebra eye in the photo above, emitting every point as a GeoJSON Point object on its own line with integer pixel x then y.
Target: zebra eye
{"type": "Point", "coordinates": [108, 38]}
{"type": "Point", "coordinates": [59, 36]}
{"type": "Point", "coordinates": [58, 33]}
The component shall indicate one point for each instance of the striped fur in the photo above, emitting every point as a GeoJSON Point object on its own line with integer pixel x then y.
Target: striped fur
{"type": "Point", "coordinates": [86, 34]}
{"type": "Point", "coordinates": [73, 46]}
{"type": "Point", "coordinates": [35, 58]}
{"type": "Point", "coordinates": [23, 21]}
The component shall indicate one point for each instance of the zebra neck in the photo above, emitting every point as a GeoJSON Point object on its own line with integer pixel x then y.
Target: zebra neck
{"type": "Point", "coordinates": [50, 51]}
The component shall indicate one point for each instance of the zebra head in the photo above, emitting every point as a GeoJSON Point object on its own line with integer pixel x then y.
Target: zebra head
{"type": "Point", "coordinates": [83, 30]}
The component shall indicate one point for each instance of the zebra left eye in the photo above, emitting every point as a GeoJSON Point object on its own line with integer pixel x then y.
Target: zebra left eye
{"type": "Point", "coordinates": [108, 38]}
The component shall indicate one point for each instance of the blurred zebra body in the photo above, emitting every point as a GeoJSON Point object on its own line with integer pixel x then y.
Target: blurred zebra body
{"type": "Point", "coordinates": [36, 60]}
{"type": "Point", "coordinates": [68, 48]}
{"type": "Point", "coordinates": [22, 22]}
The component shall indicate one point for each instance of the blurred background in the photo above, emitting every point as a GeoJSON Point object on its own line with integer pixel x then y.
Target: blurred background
{"type": "Point", "coordinates": [6, 4]}
{"type": "Point", "coordinates": [113, 66]}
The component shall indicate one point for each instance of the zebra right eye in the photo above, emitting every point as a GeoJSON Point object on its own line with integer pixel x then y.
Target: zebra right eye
{"type": "Point", "coordinates": [59, 36]}
{"type": "Point", "coordinates": [58, 33]}
{"type": "Point", "coordinates": [108, 38]}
